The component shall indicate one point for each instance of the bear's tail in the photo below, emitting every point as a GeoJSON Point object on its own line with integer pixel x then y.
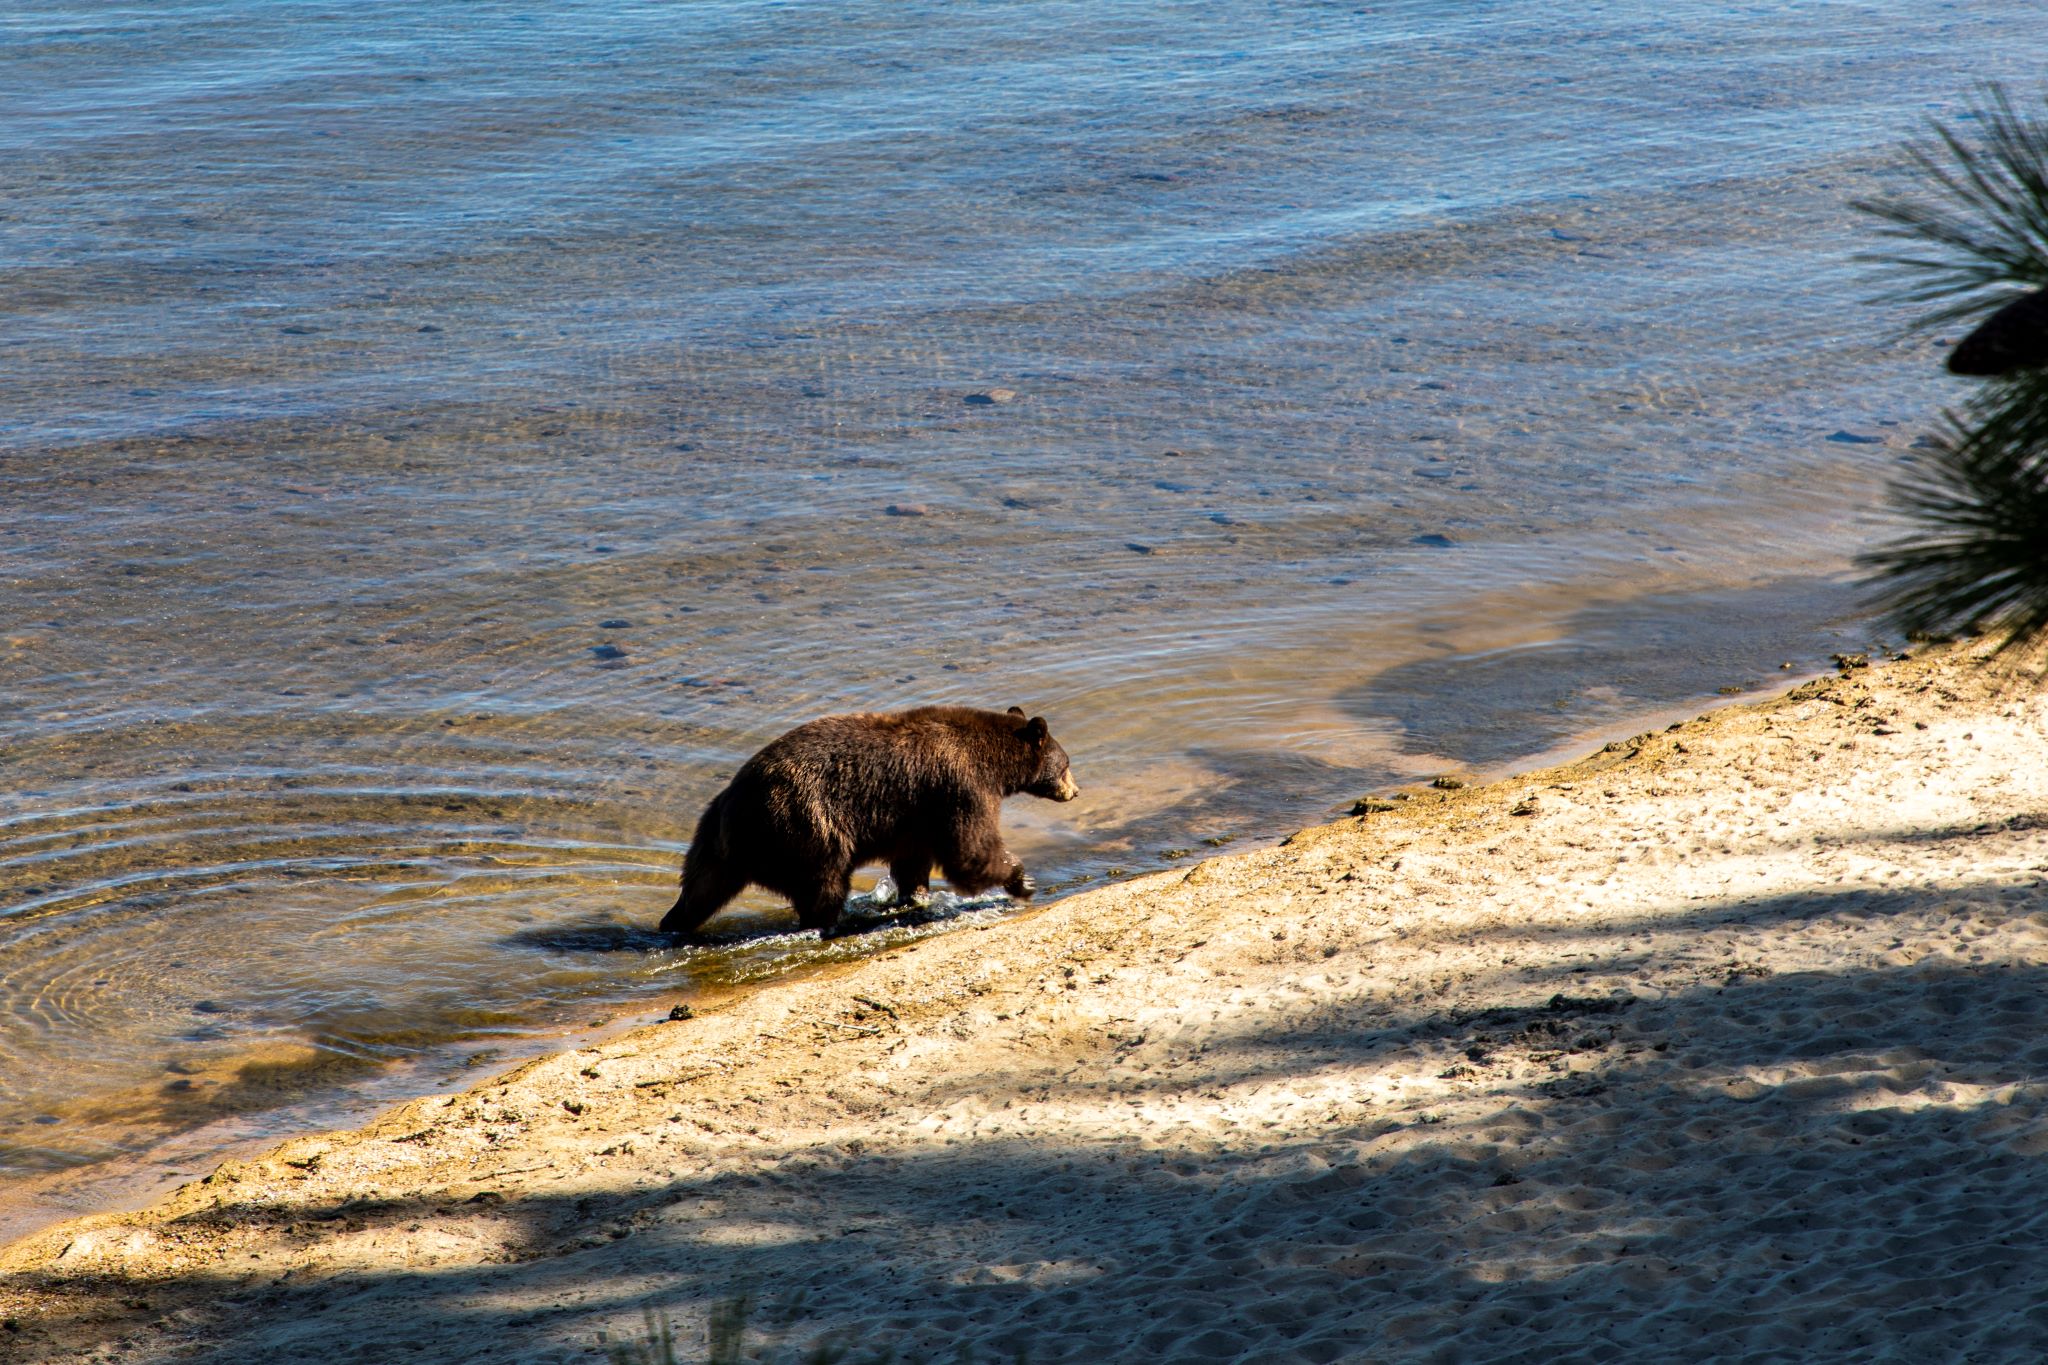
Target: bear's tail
{"type": "Point", "coordinates": [708, 879]}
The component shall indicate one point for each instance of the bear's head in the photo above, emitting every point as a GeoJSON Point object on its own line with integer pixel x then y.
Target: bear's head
{"type": "Point", "coordinates": [1049, 778]}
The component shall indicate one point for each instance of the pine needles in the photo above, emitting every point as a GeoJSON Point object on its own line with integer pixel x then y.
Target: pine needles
{"type": "Point", "coordinates": [1976, 558]}
{"type": "Point", "coordinates": [1986, 227]}
{"type": "Point", "coordinates": [1975, 243]}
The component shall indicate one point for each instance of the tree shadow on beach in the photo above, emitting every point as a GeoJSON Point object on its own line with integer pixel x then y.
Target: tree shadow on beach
{"type": "Point", "coordinates": [1818, 1164]}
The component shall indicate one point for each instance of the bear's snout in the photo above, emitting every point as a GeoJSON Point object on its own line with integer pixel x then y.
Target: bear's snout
{"type": "Point", "coordinates": [1067, 790]}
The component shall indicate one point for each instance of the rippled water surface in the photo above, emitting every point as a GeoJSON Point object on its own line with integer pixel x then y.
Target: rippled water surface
{"type": "Point", "coordinates": [439, 442]}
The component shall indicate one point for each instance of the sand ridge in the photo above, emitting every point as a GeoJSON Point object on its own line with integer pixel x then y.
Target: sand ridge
{"type": "Point", "coordinates": [1722, 1043]}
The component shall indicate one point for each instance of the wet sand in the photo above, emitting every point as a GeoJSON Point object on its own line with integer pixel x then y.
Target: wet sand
{"type": "Point", "coordinates": [1721, 1042]}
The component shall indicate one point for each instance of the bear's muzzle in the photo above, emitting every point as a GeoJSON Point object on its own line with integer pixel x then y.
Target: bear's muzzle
{"type": "Point", "coordinates": [1066, 791]}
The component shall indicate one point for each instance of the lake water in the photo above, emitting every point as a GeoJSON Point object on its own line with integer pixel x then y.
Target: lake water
{"type": "Point", "coordinates": [439, 442]}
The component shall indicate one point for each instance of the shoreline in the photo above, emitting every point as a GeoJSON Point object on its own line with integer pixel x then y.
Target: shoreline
{"type": "Point", "coordinates": [129, 1181]}
{"type": "Point", "coordinates": [1473, 1074]}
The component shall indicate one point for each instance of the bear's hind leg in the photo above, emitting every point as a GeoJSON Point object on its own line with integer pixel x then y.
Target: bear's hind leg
{"type": "Point", "coordinates": [820, 904]}
{"type": "Point", "coordinates": [911, 871]}
{"type": "Point", "coordinates": [706, 889]}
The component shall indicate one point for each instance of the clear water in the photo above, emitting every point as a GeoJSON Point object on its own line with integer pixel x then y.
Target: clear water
{"type": "Point", "coordinates": [439, 442]}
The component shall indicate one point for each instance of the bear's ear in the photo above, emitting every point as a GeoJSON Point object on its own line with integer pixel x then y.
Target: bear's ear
{"type": "Point", "coordinates": [1035, 732]}
{"type": "Point", "coordinates": [1017, 711]}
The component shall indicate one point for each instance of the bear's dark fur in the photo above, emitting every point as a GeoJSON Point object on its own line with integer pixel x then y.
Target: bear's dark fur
{"type": "Point", "coordinates": [909, 788]}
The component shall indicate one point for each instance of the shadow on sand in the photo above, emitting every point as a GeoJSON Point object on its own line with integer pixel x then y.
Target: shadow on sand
{"type": "Point", "coordinates": [1820, 1165]}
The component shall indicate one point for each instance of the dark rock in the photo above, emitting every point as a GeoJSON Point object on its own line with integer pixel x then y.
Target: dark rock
{"type": "Point", "coordinates": [988, 397]}
{"type": "Point", "coordinates": [1850, 438]}
{"type": "Point", "coordinates": [607, 652]}
{"type": "Point", "coordinates": [1441, 542]}
{"type": "Point", "coordinates": [2013, 338]}
{"type": "Point", "coordinates": [616, 623]}
{"type": "Point", "coordinates": [907, 509]}
{"type": "Point", "coordinates": [1589, 1004]}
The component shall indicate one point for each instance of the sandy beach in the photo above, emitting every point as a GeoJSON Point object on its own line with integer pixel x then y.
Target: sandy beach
{"type": "Point", "coordinates": [1721, 1043]}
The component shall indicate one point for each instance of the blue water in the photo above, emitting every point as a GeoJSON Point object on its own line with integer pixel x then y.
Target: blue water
{"type": "Point", "coordinates": [1391, 389]}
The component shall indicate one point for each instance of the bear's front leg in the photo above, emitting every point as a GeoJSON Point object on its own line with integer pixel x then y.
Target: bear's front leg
{"type": "Point", "coordinates": [977, 860]}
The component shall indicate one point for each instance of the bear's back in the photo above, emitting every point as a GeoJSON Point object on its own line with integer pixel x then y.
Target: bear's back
{"type": "Point", "coordinates": [870, 755]}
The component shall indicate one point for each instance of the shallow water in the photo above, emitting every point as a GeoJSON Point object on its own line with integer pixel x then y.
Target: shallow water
{"type": "Point", "coordinates": [438, 444]}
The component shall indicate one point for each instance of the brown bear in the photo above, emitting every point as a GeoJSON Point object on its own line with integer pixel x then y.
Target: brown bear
{"type": "Point", "coordinates": [909, 788]}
